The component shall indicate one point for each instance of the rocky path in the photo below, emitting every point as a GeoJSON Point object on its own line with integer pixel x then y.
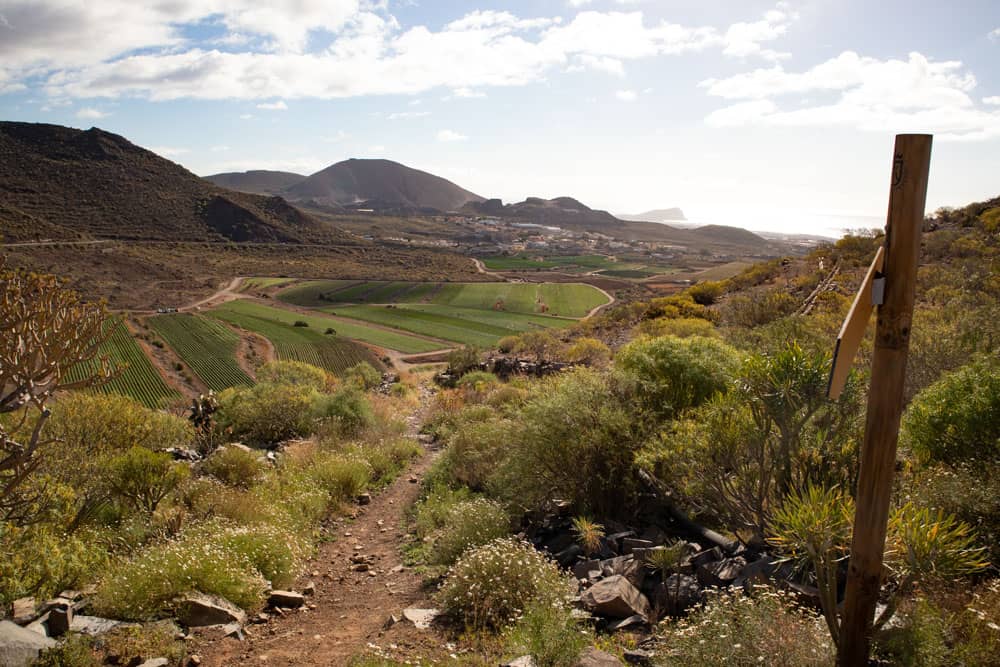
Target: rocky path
{"type": "Point", "coordinates": [360, 583]}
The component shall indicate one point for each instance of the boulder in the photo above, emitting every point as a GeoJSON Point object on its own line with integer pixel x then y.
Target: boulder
{"type": "Point", "coordinates": [568, 555]}
{"type": "Point", "coordinates": [585, 568]}
{"type": "Point", "coordinates": [198, 609]}
{"type": "Point", "coordinates": [721, 573]}
{"type": "Point", "coordinates": [92, 625]}
{"type": "Point", "coordinates": [593, 657]}
{"type": "Point", "coordinates": [758, 572]}
{"type": "Point", "coordinates": [155, 662]}
{"type": "Point", "coordinates": [615, 597]}
{"type": "Point", "coordinates": [638, 656]}
{"type": "Point", "coordinates": [631, 622]}
{"type": "Point", "coordinates": [364, 499]}
{"type": "Point", "coordinates": [626, 566]}
{"type": "Point", "coordinates": [677, 593]}
{"type": "Point", "coordinates": [20, 646]}
{"type": "Point", "coordinates": [707, 556]}
{"type": "Point", "coordinates": [286, 599]}
{"type": "Point", "coordinates": [523, 661]}
{"type": "Point", "coordinates": [24, 611]}
{"type": "Point", "coordinates": [629, 544]}
{"type": "Point", "coordinates": [421, 618]}
{"type": "Point", "coordinates": [60, 620]}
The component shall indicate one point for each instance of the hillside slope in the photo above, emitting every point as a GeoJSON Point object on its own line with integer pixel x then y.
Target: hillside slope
{"type": "Point", "coordinates": [385, 183]}
{"type": "Point", "coordinates": [258, 181]}
{"type": "Point", "coordinates": [75, 183]}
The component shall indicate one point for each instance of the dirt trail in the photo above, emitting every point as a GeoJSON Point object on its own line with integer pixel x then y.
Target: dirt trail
{"type": "Point", "coordinates": [349, 610]}
{"type": "Point", "coordinates": [227, 293]}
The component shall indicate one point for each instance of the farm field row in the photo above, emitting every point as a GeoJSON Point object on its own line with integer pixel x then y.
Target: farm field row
{"type": "Point", "coordinates": [207, 346]}
{"type": "Point", "coordinates": [137, 377]}
{"type": "Point", "coordinates": [460, 325]}
{"type": "Point", "coordinates": [562, 299]}
{"type": "Point", "coordinates": [309, 344]}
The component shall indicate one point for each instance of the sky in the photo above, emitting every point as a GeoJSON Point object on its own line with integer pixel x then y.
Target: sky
{"type": "Point", "coordinates": [768, 115]}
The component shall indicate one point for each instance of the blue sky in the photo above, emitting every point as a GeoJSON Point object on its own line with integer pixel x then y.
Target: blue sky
{"type": "Point", "coordinates": [769, 115]}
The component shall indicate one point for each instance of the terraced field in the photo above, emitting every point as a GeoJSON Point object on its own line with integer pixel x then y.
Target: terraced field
{"type": "Point", "coordinates": [563, 299]}
{"type": "Point", "coordinates": [264, 283]}
{"type": "Point", "coordinates": [207, 346]}
{"type": "Point", "coordinates": [529, 263]}
{"type": "Point", "coordinates": [138, 378]}
{"type": "Point", "coordinates": [278, 324]}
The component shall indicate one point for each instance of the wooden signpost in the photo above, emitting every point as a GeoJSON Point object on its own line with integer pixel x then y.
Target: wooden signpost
{"type": "Point", "coordinates": [896, 264]}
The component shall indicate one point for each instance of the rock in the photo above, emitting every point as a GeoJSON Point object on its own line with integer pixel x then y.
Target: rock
{"type": "Point", "coordinates": [593, 657]}
{"type": "Point", "coordinates": [286, 599]}
{"type": "Point", "coordinates": [60, 621]}
{"type": "Point", "coordinates": [240, 446]}
{"type": "Point", "coordinates": [198, 609]}
{"type": "Point", "coordinates": [24, 611]}
{"type": "Point", "coordinates": [194, 660]}
{"type": "Point", "coordinates": [155, 662]}
{"type": "Point", "coordinates": [523, 661]}
{"type": "Point", "coordinates": [40, 625]}
{"type": "Point", "coordinates": [71, 595]}
{"type": "Point", "coordinates": [421, 618]}
{"type": "Point", "coordinates": [615, 597]}
{"type": "Point", "coordinates": [631, 543]}
{"type": "Point", "coordinates": [92, 625]}
{"type": "Point", "coordinates": [413, 479]}
{"type": "Point", "coordinates": [232, 630]}
{"type": "Point", "coordinates": [707, 556]}
{"type": "Point", "coordinates": [806, 595]}
{"type": "Point", "coordinates": [585, 568]}
{"type": "Point", "coordinates": [20, 646]}
{"type": "Point", "coordinates": [758, 572]}
{"type": "Point", "coordinates": [568, 555]}
{"type": "Point", "coordinates": [626, 566]}
{"type": "Point", "coordinates": [677, 593]}
{"type": "Point", "coordinates": [425, 439]}
{"type": "Point", "coordinates": [391, 621]}
{"type": "Point", "coordinates": [309, 589]}
{"type": "Point", "coordinates": [630, 622]}
{"type": "Point", "coordinates": [637, 656]}
{"type": "Point", "coordinates": [721, 573]}
{"type": "Point", "coordinates": [365, 499]}
{"type": "Point", "coordinates": [615, 539]}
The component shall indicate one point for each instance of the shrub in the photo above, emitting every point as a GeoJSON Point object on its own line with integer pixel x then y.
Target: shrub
{"type": "Point", "coordinates": [134, 645]}
{"type": "Point", "coordinates": [348, 410]}
{"type": "Point", "coordinates": [142, 588]}
{"type": "Point", "coordinates": [463, 359]}
{"type": "Point", "coordinates": [386, 458]}
{"type": "Point", "coordinates": [73, 651]}
{"type": "Point", "coordinates": [301, 323]}
{"type": "Point", "coordinates": [549, 634]}
{"type": "Point", "coordinates": [433, 510]}
{"type": "Point", "coordinates": [342, 477]}
{"type": "Point", "coordinates": [476, 384]}
{"type": "Point", "coordinates": [234, 467]}
{"type": "Point", "coordinates": [507, 344]}
{"type": "Point", "coordinates": [491, 585]}
{"type": "Point", "coordinates": [40, 560]}
{"type": "Point", "coordinates": [272, 552]}
{"type": "Point", "coordinates": [467, 524]}
{"type": "Point", "coordinates": [706, 293]}
{"type": "Point", "coordinates": [588, 534]}
{"type": "Point", "coordinates": [670, 375]}
{"type": "Point", "coordinates": [733, 628]}
{"type": "Point", "coordinates": [295, 373]}
{"type": "Point", "coordinates": [266, 413]}
{"type": "Point", "coordinates": [588, 351]}
{"type": "Point", "coordinates": [684, 327]}
{"type": "Point", "coordinates": [958, 417]}
{"type": "Point", "coordinates": [363, 375]}
{"type": "Point", "coordinates": [757, 308]}
{"type": "Point", "coordinates": [143, 477]}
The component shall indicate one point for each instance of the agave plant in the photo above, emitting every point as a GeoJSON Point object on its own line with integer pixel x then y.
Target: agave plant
{"type": "Point", "coordinates": [588, 533]}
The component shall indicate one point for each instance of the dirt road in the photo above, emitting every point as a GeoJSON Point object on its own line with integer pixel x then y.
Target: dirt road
{"type": "Point", "coordinates": [228, 293]}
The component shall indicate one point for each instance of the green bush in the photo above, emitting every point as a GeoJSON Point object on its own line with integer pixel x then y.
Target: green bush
{"type": "Point", "coordinates": [387, 458]}
{"type": "Point", "coordinates": [467, 524]}
{"type": "Point", "coordinates": [347, 409]}
{"type": "Point", "coordinates": [670, 375]}
{"type": "Point", "coordinates": [491, 585]}
{"type": "Point", "coordinates": [550, 635]}
{"type": "Point", "coordinates": [295, 373]}
{"type": "Point", "coordinates": [143, 588]}
{"type": "Point", "coordinates": [363, 375]}
{"type": "Point", "coordinates": [342, 477]}
{"type": "Point", "coordinates": [434, 508]}
{"type": "Point", "coordinates": [41, 560]}
{"type": "Point", "coordinates": [736, 629]}
{"type": "Point", "coordinates": [136, 644]}
{"type": "Point", "coordinates": [684, 327]}
{"type": "Point", "coordinates": [143, 478]}
{"type": "Point", "coordinates": [706, 293]}
{"type": "Point", "coordinates": [73, 651]}
{"type": "Point", "coordinates": [267, 413]}
{"type": "Point", "coordinates": [757, 308]}
{"type": "Point", "coordinates": [970, 491]}
{"type": "Point", "coordinates": [958, 417]}
{"type": "Point", "coordinates": [234, 467]}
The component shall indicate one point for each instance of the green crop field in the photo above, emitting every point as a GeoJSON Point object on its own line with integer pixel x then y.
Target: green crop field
{"type": "Point", "coordinates": [461, 325]}
{"type": "Point", "coordinates": [207, 346]}
{"type": "Point", "coordinates": [138, 378]}
{"type": "Point", "coordinates": [264, 283]}
{"type": "Point", "coordinates": [563, 299]}
{"type": "Point", "coordinates": [318, 324]}
{"type": "Point", "coordinates": [529, 263]}
{"type": "Point", "coordinates": [627, 273]}
{"type": "Point", "coordinates": [309, 344]}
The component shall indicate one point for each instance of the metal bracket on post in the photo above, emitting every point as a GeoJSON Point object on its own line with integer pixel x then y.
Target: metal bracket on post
{"type": "Point", "coordinates": [878, 290]}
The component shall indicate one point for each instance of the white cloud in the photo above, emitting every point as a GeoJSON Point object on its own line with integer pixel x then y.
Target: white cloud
{"type": "Point", "coordinates": [994, 100]}
{"type": "Point", "coordinates": [626, 95]}
{"type": "Point", "coordinates": [335, 138]}
{"type": "Point", "coordinates": [995, 34]}
{"type": "Point", "coordinates": [376, 150]}
{"type": "Point", "coordinates": [91, 113]}
{"type": "Point", "coordinates": [168, 151]}
{"type": "Point", "coordinates": [219, 149]}
{"type": "Point", "coordinates": [467, 93]}
{"type": "Point", "coordinates": [450, 135]}
{"type": "Point", "coordinates": [917, 95]}
{"type": "Point", "coordinates": [246, 116]}
{"type": "Point", "coordinates": [273, 106]}
{"type": "Point", "coordinates": [296, 49]}
{"type": "Point", "coordinates": [302, 165]}
{"type": "Point", "coordinates": [403, 115]}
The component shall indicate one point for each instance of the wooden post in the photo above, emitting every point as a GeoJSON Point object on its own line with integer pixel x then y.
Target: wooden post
{"type": "Point", "coordinates": [907, 196]}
